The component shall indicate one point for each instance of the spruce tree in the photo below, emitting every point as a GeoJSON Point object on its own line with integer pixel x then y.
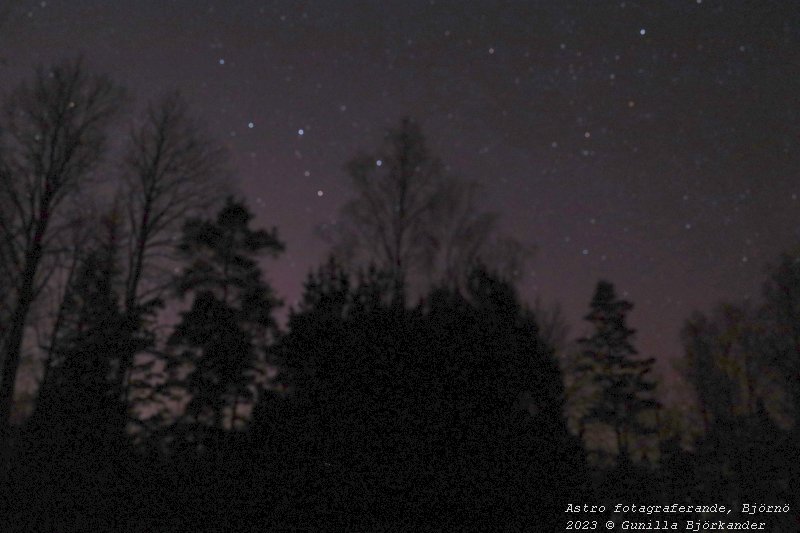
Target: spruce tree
{"type": "Point", "coordinates": [220, 338]}
{"type": "Point", "coordinates": [625, 393]}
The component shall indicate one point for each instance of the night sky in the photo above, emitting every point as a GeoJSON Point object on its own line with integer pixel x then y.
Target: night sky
{"type": "Point", "coordinates": [654, 144]}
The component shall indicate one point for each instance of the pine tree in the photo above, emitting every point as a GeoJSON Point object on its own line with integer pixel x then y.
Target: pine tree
{"type": "Point", "coordinates": [625, 393]}
{"type": "Point", "coordinates": [220, 338]}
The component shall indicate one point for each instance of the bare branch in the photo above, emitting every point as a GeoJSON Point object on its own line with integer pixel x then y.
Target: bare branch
{"type": "Point", "coordinates": [412, 220]}
{"type": "Point", "coordinates": [172, 171]}
{"type": "Point", "coordinates": [53, 136]}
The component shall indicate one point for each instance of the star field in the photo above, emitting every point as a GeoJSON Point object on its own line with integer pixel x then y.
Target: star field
{"type": "Point", "coordinates": [651, 143]}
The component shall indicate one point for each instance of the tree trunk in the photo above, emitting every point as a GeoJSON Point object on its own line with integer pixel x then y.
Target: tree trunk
{"type": "Point", "coordinates": [621, 447]}
{"type": "Point", "coordinates": [12, 348]}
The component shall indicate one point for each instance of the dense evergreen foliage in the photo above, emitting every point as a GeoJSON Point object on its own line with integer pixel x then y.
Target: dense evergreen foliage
{"type": "Point", "coordinates": [443, 416]}
{"type": "Point", "coordinates": [222, 337]}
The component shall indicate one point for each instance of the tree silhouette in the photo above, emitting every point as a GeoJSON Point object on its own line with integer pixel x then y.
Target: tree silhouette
{"type": "Point", "coordinates": [77, 435]}
{"type": "Point", "coordinates": [721, 354]}
{"type": "Point", "coordinates": [171, 173]}
{"type": "Point", "coordinates": [415, 222]}
{"type": "Point", "coordinates": [780, 339]}
{"type": "Point", "coordinates": [388, 222]}
{"type": "Point", "coordinates": [499, 395]}
{"type": "Point", "coordinates": [82, 396]}
{"type": "Point", "coordinates": [458, 396]}
{"type": "Point", "coordinates": [625, 393]}
{"type": "Point", "coordinates": [53, 137]}
{"type": "Point", "coordinates": [221, 336]}
{"type": "Point", "coordinates": [742, 361]}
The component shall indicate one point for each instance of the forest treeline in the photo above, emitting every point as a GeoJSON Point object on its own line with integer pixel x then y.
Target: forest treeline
{"type": "Point", "coordinates": [412, 388]}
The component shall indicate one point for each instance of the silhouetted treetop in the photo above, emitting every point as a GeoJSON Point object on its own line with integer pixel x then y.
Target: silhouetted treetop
{"type": "Point", "coordinates": [222, 340]}
{"type": "Point", "coordinates": [625, 389]}
{"type": "Point", "coordinates": [414, 221]}
{"type": "Point", "coordinates": [172, 171]}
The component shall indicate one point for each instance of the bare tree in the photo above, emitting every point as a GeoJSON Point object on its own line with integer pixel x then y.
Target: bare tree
{"type": "Point", "coordinates": [415, 222]}
{"type": "Point", "coordinates": [53, 137]}
{"type": "Point", "coordinates": [716, 365]}
{"type": "Point", "coordinates": [460, 232]}
{"type": "Point", "coordinates": [388, 222]}
{"type": "Point", "coordinates": [172, 171]}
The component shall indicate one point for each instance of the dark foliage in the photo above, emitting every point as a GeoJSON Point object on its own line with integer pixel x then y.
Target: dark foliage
{"type": "Point", "coordinates": [626, 393]}
{"type": "Point", "coordinates": [444, 416]}
{"type": "Point", "coordinates": [218, 338]}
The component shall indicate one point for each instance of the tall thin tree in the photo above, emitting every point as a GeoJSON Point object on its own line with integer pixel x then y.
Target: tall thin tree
{"type": "Point", "coordinates": [172, 171]}
{"type": "Point", "coordinates": [54, 135]}
{"type": "Point", "coordinates": [626, 392]}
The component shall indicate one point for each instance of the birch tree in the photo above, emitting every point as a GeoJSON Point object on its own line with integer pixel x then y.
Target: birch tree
{"type": "Point", "coordinates": [53, 137]}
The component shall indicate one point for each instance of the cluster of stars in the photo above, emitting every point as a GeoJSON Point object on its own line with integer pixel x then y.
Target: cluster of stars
{"type": "Point", "coordinates": [573, 98]}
